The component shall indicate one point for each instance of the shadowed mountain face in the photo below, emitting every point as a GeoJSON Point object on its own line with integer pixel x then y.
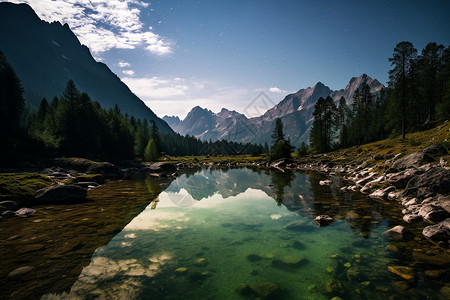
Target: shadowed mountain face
{"type": "Point", "coordinates": [46, 56]}
{"type": "Point", "coordinates": [295, 110]}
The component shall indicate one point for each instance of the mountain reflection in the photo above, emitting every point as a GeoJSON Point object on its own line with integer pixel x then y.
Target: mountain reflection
{"type": "Point", "coordinates": [299, 193]}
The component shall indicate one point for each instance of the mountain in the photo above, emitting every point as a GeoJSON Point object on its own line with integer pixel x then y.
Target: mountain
{"type": "Point", "coordinates": [46, 56]}
{"type": "Point", "coordinates": [295, 110]}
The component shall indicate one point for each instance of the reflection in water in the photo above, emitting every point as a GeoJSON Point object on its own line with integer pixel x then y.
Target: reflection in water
{"type": "Point", "coordinates": [216, 234]}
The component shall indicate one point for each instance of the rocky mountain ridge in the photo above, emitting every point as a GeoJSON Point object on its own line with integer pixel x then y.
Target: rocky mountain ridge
{"type": "Point", "coordinates": [45, 56]}
{"type": "Point", "coordinates": [295, 110]}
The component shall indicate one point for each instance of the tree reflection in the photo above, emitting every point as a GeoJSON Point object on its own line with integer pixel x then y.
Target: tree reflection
{"type": "Point", "coordinates": [281, 180]}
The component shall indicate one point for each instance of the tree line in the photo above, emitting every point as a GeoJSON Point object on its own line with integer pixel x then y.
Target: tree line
{"type": "Point", "coordinates": [74, 125]}
{"type": "Point", "coordinates": [417, 97]}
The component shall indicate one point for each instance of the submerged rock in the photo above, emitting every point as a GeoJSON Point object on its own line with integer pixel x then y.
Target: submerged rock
{"type": "Point", "coordinates": [265, 290]}
{"type": "Point", "coordinates": [288, 262]}
{"type": "Point", "coordinates": [334, 287]}
{"type": "Point", "coordinates": [20, 271]}
{"type": "Point", "coordinates": [253, 257]}
{"type": "Point", "coordinates": [299, 225]}
{"type": "Point", "coordinates": [60, 194]}
{"type": "Point", "coordinates": [406, 273]}
{"type": "Point", "coordinates": [398, 231]}
{"type": "Point", "coordinates": [323, 220]}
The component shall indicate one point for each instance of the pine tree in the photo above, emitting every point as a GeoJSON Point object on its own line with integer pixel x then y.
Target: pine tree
{"type": "Point", "coordinates": [323, 125]}
{"type": "Point", "coordinates": [278, 134]}
{"type": "Point", "coordinates": [402, 60]}
{"type": "Point", "coordinates": [150, 153]}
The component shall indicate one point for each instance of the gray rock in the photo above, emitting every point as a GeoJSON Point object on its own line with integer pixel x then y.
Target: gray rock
{"type": "Point", "coordinates": [60, 194]}
{"type": "Point", "coordinates": [415, 159]}
{"type": "Point", "coordinates": [25, 211]}
{"type": "Point", "coordinates": [325, 182]}
{"type": "Point", "coordinates": [433, 213]}
{"type": "Point", "coordinates": [8, 213]}
{"type": "Point", "coordinates": [9, 205]}
{"type": "Point", "coordinates": [438, 232]}
{"type": "Point", "coordinates": [435, 149]}
{"type": "Point", "coordinates": [435, 181]}
{"type": "Point", "coordinates": [20, 271]}
{"type": "Point", "coordinates": [397, 232]}
{"type": "Point", "coordinates": [412, 218]}
{"type": "Point", "coordinates": [400, 180]}
{"type": "Point", "coordinates": [162, 167]}
{"type": "Point", "coordinates": [323, 220]}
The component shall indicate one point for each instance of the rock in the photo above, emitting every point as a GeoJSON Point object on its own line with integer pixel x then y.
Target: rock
{"type": "Point", "coordinates": [9, 205]}
{"type": "Point", "coordinates": [289, 262]}
{"type": "Point", "coordinates": [9, 213]}
{"type": "Point", "coordinates": [406, 273]}
{"type": "Point", "coordinates": [25, 211]}
{"type": "Point", "coordinates": [253, 257]}
{"type": "Point", "coordinates": [86, 185]}
{"type": "Point", "coordinates": [398, 232]}
{"type": "Point", "coordinates": [323, 220]}
{"type": "Point", "coordinates": [281, 163]}
{"type": "Point", "coordinates": [400, 180]}
{"type": "Point", "coordinates": [334, 287]}
{"type": "Point", "coordinates": [243, 289]}
{"type": "Point", "coordinates": [435, 181]}
{"type": "Point", "coordinates": [438, 232]}
{"type": "Point", "coordinates": [202, 262]}
{"type": "Point", "coordinates": [433, 213]}
{"type": "Point", "coordinates": [181, 271]}
{"type": "Point", "coordinates": [394, 196]}
{"type": "Point", "coordinates": [435, 274]}
{"type": "Point", "coordinates": [412, 218]}
{"type": "Point", "coordinates": [265, 290]}
{"type": "Point", "coordinates": [445, 291]}
{"type": "Point", "coordinates": [414, 159]}
{"type": "Point", "coordinates": [435, 149]}
{"type": "Point", "coordinates": [365, 180]}
{"type": "Point", "coordinates": [378, 194]}
{"type": "Point", "coordinates": [60, 194]}
{"type": "Point", "coordinates": [20, 271]}
{"type": "Point", "coordinates": [162, 167]}
{"type": "Point", "coordinates": [299, 225]}
{"type": "Point", "coordinates": [106, 169]}
{"type": "Point", "coordinates": [325, 182]}
{"type": "Point", "coordinates": [298, 245]}
{"type": "Point", "coordinates": [444, 202]}
{"type": "Point", "coordinates": [353, 275]}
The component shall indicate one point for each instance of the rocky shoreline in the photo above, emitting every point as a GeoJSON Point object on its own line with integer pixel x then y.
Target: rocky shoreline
{"type": "Point", "coordinates": [421, 187]}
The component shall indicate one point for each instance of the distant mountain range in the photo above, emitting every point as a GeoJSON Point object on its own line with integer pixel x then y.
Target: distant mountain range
{"type": "Point", "coordinates": [295, 110]}
{"type": "Point", "coordinates": [46, 56]}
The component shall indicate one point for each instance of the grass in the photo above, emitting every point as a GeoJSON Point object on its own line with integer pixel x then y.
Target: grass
{"type": "Point", "coordinates": [22, 186]}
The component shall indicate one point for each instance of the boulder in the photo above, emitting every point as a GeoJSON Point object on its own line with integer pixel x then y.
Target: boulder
{"type": "Point", "coordinates": [412, 218]}
{"type": "Point", "coordinates": [265, 290]}
{"type": "Point", "coordinates": [299, 225]}
{"type": "Point", "coordinates": [106, 169]}
{"type": "Point", "coordinates": [433, 213]}
{"type": "Point", "coordinates": [415, 159]}
{"type": "Point", "coordinates": [435, 181]}
{"type": "Point", "coordinates": [24, 211]}
{"type": "Point", "coordinates": [162, 167]}
{"type": "Point", "coordinates": [406, 273]}
{"type": "Point", "coordinates": [438, 232]}
{"type": "Point", "coordinates": [8, 205]}
{"type": "Point", "coordinates": [400, 180]}
{"type": "Point", "coordinates": [397, 232]}
{"type": "Point", "coordinates": [20, 271]}
{"type": "Point", "coordinates": [435, 149]}
{"type": "Point", "coordinates": [281, 163]}
{"type": "Point", "coordinates": [60, 194]}
{"type": "Point", "coordinates": [323, 220]}
{"type": "Point", "coordinates": [325, 182]}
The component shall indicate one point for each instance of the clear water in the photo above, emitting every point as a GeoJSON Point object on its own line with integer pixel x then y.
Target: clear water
{"type": "Point", "coordinates": [226, 234]}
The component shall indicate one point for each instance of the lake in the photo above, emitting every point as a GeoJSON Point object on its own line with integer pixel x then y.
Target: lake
{"type": "Point", "coordinates": [219, 234]}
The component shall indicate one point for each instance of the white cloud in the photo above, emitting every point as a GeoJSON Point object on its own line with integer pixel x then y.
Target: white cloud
{"type": "Point", "coordinates": [156, 88]}
{"type": "Point", "coordinates": [123, 64]}
{"type": "Point", "coordinates": [276, 90]}
{"type": "Point", "coordinates": [128, 72]}
{"type": "Point", "coordinates": [104, 24]}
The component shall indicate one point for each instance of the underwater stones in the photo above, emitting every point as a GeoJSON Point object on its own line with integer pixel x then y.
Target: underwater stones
{"type": "Point", "coordinates": [201, 262]}
{"type": "Point", "coordinates": [181, 271]}
{"type": "Point", "coordinates": [298, 245]}
{"type": "Point", "coordinates": [353, 275]}
{"type": "Point", "coordinates": [323, 220]}
{"type": "Point", "coordinates": [406, 273]}
{"type": "Point", "coordinates": [435, 274]}
{"type": "Point", "coordinates": [334, 287]}
{"type": "Point", "coordinates": [243, 289]}
{"type": "Point", "coordinates": [265, 289]}
{"type": "Point", "coordinates": [438, 232]}
{"type": "Point", "coordinates": [290, 261]}
{"type": "Point", "coordinates": [253, 257]}
{"type": "Point", "coordinates": [20, 271]}
{"type": "Point", "coordinates": [60, 194]}
{"type": "Point", "coordinates": [299, 225]}
{"type": "Point", "coordinates": [199, 276]}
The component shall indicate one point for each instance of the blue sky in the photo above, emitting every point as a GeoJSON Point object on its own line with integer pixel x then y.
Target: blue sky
{"type": "Point", "coordinates": [179, 54]}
